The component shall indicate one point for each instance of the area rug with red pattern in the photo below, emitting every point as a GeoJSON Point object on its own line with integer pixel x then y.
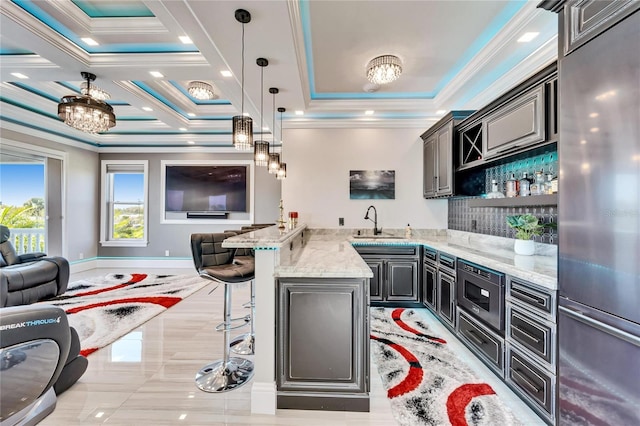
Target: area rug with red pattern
{"type": "Point", "coordinates": [426, 382]}
{"type": "Point", "coordinates": [103, 309]}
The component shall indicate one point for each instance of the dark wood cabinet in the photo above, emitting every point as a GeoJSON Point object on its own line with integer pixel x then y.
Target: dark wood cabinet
{"type": "Point", "coordinates": [438, 149]}
{"type": "Point", "coordinates": [582, 21]}
{"type": "Point", "coordinates": [402, 280]}
{"type": "Point", "coordinates": [375, 282]}
{"type": "Point", "coordinates": [430, 287]}
{"type": "Point", "coordinates": [322, 337]}
{"type": "Point", "coordinates": [518, 123]}
{"type": "Point", "coordinates": [396, 274]}
{"type": "Point", "coordinates": [447, 298]}
{"type": "Point", "coordinates": [520, 120]}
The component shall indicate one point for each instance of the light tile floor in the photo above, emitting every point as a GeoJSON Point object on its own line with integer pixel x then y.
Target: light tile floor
{"type": "Point", "coordinates": [147, 377]}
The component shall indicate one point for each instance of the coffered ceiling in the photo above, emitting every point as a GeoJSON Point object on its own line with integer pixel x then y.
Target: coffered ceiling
{"type": "Point", "coordinates": [456, 55]}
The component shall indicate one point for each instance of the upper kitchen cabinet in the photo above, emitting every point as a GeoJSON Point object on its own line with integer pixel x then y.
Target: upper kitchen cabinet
{"type": "Point", "coordinates": [521, 119]}
{"type": "Point", "coordinates": [438, 164]}
{"type": "Point", "coordinates": [582, 20]}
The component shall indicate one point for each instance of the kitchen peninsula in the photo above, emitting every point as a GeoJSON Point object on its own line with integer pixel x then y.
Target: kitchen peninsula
{"type": "Point", "coordinates": [312, 333]}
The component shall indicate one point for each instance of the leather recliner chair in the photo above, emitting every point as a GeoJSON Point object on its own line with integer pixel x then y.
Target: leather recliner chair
{"type": "Point", "coordinates": [39, 359]}
{"type": "Point", "coordinates": [30, 277]}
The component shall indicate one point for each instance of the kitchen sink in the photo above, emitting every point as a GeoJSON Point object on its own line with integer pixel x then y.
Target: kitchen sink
{"type": "Point", "coordinates": [379, 237]}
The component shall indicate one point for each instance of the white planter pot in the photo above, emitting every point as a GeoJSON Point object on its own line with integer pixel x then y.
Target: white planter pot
{"type": "Point", "coordinates": [524, 247]}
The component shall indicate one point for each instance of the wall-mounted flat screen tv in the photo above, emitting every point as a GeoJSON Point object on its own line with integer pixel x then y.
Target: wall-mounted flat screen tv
{"type": "Point", "coordinates": [197, 188]}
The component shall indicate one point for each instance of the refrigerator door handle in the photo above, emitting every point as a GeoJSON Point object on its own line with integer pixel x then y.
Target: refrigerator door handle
{"type": "Point", "coordinates": [586, 319]}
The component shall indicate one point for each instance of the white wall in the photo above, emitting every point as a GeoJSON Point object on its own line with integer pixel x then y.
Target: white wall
{"type": "Point", "coordinates": [317, 184]}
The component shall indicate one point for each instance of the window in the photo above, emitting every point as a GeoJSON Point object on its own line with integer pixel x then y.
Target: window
{"type": "Point", "coordinates": [124, 204]}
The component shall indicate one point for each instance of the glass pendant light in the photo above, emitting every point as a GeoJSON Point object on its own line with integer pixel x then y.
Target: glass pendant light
{"type": "Point", "coordinates": [242, 133]}
{"type": "Point", "coordinates": [274, 158]}
{"type": "Point", "coordinates": [261, 147]}
{"type": "Point", "coordinates": [282, 170]}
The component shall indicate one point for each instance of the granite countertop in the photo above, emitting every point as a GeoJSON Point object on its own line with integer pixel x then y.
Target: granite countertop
{"type": "Point", "coordinates": [330, 253]}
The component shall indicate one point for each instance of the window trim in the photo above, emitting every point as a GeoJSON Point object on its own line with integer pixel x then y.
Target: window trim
{"type": "Point", "coordinates": [106, 219]}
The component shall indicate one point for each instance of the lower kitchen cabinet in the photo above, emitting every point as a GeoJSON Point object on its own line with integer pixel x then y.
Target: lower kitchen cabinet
{"type": "Point", "coordinates": [430, 287]}
{"type": "Point", "coordinates": [396, 274]}
{"type": "Point", "coordinates": [447, 298]}
{"type": "Point", "coordinates": [322, 344]}
{"type": "Point", "coordinates": [531, 345]}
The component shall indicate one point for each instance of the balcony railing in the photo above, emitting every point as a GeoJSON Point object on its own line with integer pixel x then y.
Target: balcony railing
{"type": "Point", "coordinates": [28, 240]}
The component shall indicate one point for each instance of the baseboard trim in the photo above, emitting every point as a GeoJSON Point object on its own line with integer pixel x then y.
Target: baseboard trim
{"type": "Point", "coordinates": [129, 262]}
{"type": "Point", "coordinates": [263, 398]}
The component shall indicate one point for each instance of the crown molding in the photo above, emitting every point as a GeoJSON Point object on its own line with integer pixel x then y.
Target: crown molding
{"type": "Point", "coordinates": [298, 42]}
{"type": "Point", "coordinates": [525, 15]}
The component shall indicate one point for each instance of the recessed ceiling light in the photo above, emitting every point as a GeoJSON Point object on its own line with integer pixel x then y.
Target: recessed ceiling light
{"type": "Point", "coordinates": [185, 40]}
{"type": "Point", "coordinates": [191, 142]}
{"type": "Point", "coordinates": [183, 129]}
{"type": "Point", "coordinates": [19, 75]}
{"type": "Point", "coordinates": [298, 112]}
{"type": "Point", "coordinates": [226, 73]}
{"type": "Point", "coordinates": [89, 41]}
{"type": "Point", "coordinates": [156, 74]}
{"type": "Point", "coordinates": [594, 115]}
{"type": "Point", "coordinates": [265, 129]}
{"type": "Point", "coordinates": [246, 114]}
{"type": "Point", "coordinates": [147, 109]}
{"type": "Point", "coordinates": [441, 111]}
{"type": "Point", "coordinates": [527, 37]}
{"type": "Point", "coordinates": [190, 114]}
{"type": "Point", "coordinates": [369, 112]}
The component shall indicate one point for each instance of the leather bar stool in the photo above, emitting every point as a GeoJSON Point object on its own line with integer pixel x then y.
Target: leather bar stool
{"type": "Point", "coordinates": [214, 262]}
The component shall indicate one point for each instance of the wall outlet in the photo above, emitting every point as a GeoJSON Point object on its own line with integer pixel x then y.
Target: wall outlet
{"type": "Point", "coordinates": [341, 221]}
{"type": "Point", "coordinates": [81, 256]}
{"type": "Point", "coordinates": [166, 253]}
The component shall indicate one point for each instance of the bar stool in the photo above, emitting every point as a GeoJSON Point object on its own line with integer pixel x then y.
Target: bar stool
{"type": "Point", "coordinates": [214, 262]}
{"type": "Point", "coordinates": [244, 344]}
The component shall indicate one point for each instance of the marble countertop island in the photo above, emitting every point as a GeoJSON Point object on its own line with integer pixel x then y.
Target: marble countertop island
{"type": "Point", "coordinates": [330, 253]}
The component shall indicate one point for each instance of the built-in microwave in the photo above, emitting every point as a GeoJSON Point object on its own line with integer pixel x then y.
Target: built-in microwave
{"type": "Point", "coordinates": [481, 293]}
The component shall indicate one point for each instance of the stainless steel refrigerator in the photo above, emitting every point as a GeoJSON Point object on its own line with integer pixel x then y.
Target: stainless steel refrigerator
{"type": "Point", "coordinates": [599, 229]}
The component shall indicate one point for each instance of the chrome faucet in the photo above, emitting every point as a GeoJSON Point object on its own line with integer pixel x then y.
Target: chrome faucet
{"type": "Point", "coordinates": [376, 231]}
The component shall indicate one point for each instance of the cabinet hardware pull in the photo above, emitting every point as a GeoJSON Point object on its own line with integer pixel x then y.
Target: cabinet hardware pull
{"type": "Point", "coordinates": [476, 338]}
{"type": "Point", "coordinates": [537, 300]}
{"type": "Point", "coordinates": [525, 333]}
{"type": "Point", "coordinates": [526, 381]}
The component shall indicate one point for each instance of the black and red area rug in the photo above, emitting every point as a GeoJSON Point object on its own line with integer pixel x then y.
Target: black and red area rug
{"type": "Point", "coordinates": [103, 309]}
{"type": "Point", "coordinates": [426, 382]}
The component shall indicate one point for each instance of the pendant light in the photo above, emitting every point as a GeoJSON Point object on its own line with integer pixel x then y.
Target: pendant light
{"type": "Point", "coordinates": [261, 147]}
{"type": "Point", "coordinates": [242, 134]}
{"type": "Point", "coordinates": [274, 158]}
{"type": "Point", "coordinates": [282, 171]}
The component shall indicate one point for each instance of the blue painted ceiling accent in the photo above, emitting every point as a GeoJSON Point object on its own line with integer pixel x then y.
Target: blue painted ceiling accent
{"type": "Point", "coordinates": [31, 7]}
{"type": "Point", "coordinates": [35, 91]}
{"type": "Point", "coordinates": [113, 9]}
{"type": "Point", "coordinates": [14, 51]}
{"type": "Point", "coordinates": [508, 12]}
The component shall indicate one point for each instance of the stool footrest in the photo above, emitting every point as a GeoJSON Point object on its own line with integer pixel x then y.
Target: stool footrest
{"type": "Point", "coordinates": [245, 321]}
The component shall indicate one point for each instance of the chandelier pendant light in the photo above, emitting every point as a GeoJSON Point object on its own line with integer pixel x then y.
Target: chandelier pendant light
{"type": "Point", "coordinates": [242, 131]}
{"type": "Point", "coordinates": [282, 170]}
{"type": "Point", "coordinates": [261, 147]}
{"type": "Point", "coordinates": [86, 113]}
{"type": "Point", "coordinates": [274, 157]}
{"type": "Point", "coordinates": [384, 69]}
{"type": "Point", "coordinates": [201, 91]}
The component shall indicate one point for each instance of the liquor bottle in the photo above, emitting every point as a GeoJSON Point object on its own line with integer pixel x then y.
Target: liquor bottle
{"type": "Point", "coordinates": [538, 186]}
{"type": "Point", "coordinates": [525, 186]}
{"type": "Point", "coordinates": [512, 188]}
{"type": "Point", "coordinates": [495, 193]}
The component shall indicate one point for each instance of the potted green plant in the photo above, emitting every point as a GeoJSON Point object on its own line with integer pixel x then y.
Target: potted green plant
{"type": "Point", "coordinates": [526, 226]}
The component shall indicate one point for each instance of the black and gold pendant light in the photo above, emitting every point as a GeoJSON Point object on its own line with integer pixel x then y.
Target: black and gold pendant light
{"type": "Point", "coordinates": [282, 170]}
{"type": "Point", "coordinates": [242, 134]}
{"type": "Point", "coordinates": [274, 157]}
{"type": "Point", "coordinates": [87, 112]}
{"type": "Point", "coordinates": [261, 147]}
